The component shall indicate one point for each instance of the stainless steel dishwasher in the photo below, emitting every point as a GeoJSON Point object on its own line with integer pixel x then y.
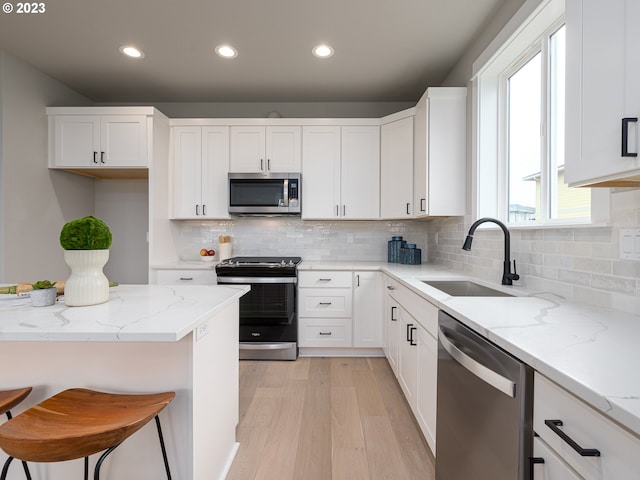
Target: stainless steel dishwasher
{"type": "Point", "coordinates": [484, 409]}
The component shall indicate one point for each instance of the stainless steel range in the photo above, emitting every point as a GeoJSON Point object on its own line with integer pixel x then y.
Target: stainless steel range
{"type": "Point", "coordinates": [268, 313]}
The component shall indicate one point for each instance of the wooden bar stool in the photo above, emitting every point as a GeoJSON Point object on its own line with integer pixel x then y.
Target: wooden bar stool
{"type": "Point", "coordinates": [77, 423]}
{"type": "Point", "coordinates": [8, 400]}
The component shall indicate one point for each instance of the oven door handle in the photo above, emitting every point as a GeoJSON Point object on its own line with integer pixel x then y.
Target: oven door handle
{"type": "Point", "coordinates": [487, 375]}
{"type": "Point", "coordinates": [250, 280]}
{"type": "Point", "coordinates": [266, 346]}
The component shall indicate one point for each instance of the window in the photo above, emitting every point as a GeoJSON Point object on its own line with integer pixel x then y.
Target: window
{"type": "Point", "coordinates": [519, 143]}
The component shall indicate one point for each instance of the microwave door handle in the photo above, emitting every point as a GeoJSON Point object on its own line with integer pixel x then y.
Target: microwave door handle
{"type": "Point", "coordinates": [285, 191]}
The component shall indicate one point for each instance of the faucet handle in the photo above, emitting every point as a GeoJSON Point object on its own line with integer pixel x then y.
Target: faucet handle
{"type": "Point", "coordinates": [515, 275]}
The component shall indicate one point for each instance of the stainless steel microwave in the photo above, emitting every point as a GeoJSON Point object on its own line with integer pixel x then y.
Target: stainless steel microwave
{"type": "Point", "coordinates": [264, 194]}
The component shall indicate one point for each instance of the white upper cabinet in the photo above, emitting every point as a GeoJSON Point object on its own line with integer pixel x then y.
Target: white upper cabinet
{"type": "Point", "coordinates": [265, 149]}
{"type": "Point", "coordinates": [440, 153]}
{"type": "Point", "coordinates": [603, 68]}
{"type": "Point", "coordinates": [320, 171]}
{"type": "Point", "coordinates": [341, 172]}
{"type": "Point", "coordinates": [396, 168]}
{"type": "Point", "coordinates": [360, 173]}
{"type": "Point", "coordinates": [99, 141]}
{"type": "Point", "coordinates": [200, 164]}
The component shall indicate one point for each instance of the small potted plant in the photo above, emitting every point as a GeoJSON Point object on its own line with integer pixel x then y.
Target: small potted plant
{"type": "Point", "coordinates": [43, 293]}
{"type": "Point", "coordinates": [86, 243]}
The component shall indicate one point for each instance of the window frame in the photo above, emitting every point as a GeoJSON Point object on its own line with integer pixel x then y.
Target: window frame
{"type": "Point", "coordinates": [519, 40]}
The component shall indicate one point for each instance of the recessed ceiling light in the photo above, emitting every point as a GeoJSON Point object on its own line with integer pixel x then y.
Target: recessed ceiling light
{"type": "Point", "coordinates": [131, 51]}
{"type": "Point", "coordinates": [322, 51]}
{"type": "Point", "coordinates": [226, 51]}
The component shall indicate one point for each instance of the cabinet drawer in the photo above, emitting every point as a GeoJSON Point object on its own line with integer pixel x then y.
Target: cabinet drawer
{"type": "Point", "coordinates": [325, 302]}
{"type": "Point", "coordinates": [324, 332]}
{"type": "Point", "coordinates": [325, 279]}
{"type": "Point", "coordinates": [590, 429]}
{"type": "Point", "coordinates": [192, 277]}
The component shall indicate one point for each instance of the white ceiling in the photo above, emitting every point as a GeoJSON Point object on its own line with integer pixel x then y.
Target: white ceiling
{"type": "Point", "coordinates": [385, 50]}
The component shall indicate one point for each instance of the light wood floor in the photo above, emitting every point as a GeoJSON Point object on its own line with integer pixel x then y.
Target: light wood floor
{"type": "Point", "coordinates": [326, 418]}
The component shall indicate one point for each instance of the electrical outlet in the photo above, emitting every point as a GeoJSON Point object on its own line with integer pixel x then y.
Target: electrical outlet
{"type": "Point", "coordinates": [202, 331]}
{"type": "Point", "coordinates": [630, 243]}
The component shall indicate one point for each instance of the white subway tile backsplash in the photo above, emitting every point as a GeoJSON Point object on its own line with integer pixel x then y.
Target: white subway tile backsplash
{"type": "Point", "coordinates": [581, 263]}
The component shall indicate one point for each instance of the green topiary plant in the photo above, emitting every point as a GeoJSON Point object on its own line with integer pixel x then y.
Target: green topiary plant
{"type": "Point", "coordinates": [87, 233]}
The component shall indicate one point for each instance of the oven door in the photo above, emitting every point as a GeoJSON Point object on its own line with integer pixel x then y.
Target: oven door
{"type": "Point", "coordinates": [268, 318]}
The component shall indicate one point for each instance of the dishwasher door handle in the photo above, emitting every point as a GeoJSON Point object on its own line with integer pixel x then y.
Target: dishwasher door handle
{"type": "Point", "coordinates": [487, 375]}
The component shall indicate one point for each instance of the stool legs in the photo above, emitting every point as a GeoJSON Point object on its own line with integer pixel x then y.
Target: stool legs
{"type": "Point", "coordinates": [8, 462]}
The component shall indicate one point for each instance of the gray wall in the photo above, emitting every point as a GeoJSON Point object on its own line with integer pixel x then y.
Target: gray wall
{"type": "Point", "coordinates": [285, 109]}
{"type": "Point", "coordinates": [34, 201]}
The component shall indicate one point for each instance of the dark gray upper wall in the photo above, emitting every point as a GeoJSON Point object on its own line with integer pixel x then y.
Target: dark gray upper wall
{"type": "Point", "coordinates": [284, 109]}
{"type": "Point", "coordinates": [460, 75]}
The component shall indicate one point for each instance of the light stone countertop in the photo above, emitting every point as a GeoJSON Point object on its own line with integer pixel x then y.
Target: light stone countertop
{"type": "Point", "coordinates": [593, 352]}
{"type": "Point", "coordinates": [142, 313]}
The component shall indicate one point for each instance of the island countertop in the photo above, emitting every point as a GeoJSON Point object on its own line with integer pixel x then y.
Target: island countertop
{"type": "Point", "coordinates": [152, 313]}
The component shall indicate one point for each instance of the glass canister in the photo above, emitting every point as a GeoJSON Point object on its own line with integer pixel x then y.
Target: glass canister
{"type": "Point", "coordinates": [410, 255]}
{"type": "Point", "coordinates": [394, 247]}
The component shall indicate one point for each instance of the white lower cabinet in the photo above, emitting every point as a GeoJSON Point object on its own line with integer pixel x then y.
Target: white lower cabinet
{"type": "Point", "coordinates": [339, 309]}
{"type": "Point", "coordinates": [391, 325]}
{"type": "Point", "coordinates": [412, 352]}
{"type": "Point", "coordinates": [408, 357]}
{"type": "Point", "coordinates": [551, 467]}
{"type": "Point", "coordinates": [427, 372]}
{"type": "Point", "coordinates": [560, 419]}
{"type": "Point", "coordinates": [367, 309]}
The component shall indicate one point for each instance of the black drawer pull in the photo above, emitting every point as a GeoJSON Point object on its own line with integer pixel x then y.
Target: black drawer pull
{"type": "Point", "coordinates": [585, 452]}
{"type": "Point", "coordinates": [186, 278]}
{"type": "Point", "coordinates": [625, 137]}
{"type": "Point", "coordinates": [324, 303]}
{"type": "Point", "coordinates": [393, 317]}
{"type": "Point", "coordinates": [325, 333]}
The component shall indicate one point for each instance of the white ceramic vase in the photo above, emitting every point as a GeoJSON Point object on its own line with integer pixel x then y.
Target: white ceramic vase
{"type": "Point", "coordinates": [87, 284]}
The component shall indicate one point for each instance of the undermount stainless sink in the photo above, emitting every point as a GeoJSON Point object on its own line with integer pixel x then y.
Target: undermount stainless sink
{"type": "Point", "coordinates": [465, 288]}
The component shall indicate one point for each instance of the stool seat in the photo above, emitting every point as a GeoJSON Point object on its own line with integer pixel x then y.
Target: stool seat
{"type": "Point", "coordinates": [11, 398]}
{"type": "Point", "coordinates": [77, 423]}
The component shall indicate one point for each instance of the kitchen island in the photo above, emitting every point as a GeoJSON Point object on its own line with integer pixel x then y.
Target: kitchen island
{"type": "Point", "coordinates": [146, 338]}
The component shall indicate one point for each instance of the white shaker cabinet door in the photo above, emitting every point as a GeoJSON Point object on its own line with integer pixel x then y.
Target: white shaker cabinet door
{"type": "Point", "coordinates": [186, 171]}
{"type": "Point", "coordinates": [396, 167]}
{"type": "Point", "coordinates": [602, 79]}
{"type": "Point", "coordinates": [320, 172]}
{"type": "Point", "coordinates": [77, 141]}
{"type": "Point", "coordinates": [367, 309]}
{"type": "Point", "coordinates": [123, 141]}
{"type": "Point", "coordinates": [215, 169]}
{"type": "Point", "coordinates": [360, 168]}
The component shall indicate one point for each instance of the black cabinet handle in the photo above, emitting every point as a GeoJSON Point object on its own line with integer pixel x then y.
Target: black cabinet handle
{"type": "Point", "coordinates": [197, 209]}
{"type": "Point", "coordinates": [423, 207]}
{"type": "Point", "coordinates": [408, 205]}
{"type": "Point", "coordinates": [411, 339]}
{"type": "Point", "coordinates": [393, 317]}
{"type": "Point", "coordinates": [324, 303]}
{"type": "Point", "coordinates": [585, 452]}
{"type": "Point", "coordinates": [95, 157]}
{"type": "Point", "coordinates": [532, 462]}
{"type": "Point", "coordinates": [625, 137]}
{"type": "Point", "coordinates": [325, 333]}
{"type": "Point", "coordinates": [409, 336]}
{"type": "Point", "coordinates": [204, 209]}
{"type": "Point", "coordinates": [102, 157]}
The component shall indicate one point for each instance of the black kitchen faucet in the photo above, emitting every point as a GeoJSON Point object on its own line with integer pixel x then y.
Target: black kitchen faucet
{"type": "Point", "coordinates": [507, 276]}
